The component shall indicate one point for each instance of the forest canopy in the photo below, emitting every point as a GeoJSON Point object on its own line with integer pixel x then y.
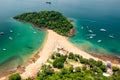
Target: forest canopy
{"type": "Point", "coordinates": [48, 19]}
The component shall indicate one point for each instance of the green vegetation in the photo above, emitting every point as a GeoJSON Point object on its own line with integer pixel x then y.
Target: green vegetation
{"type": "Point", "coordinates": [59, 62]}
{"type": "Point", "coordinates": [15, 77]}
{"type": "Point", "coordinates": [48, 19]}
{"type": "Point", "coordinates": [90, 69]}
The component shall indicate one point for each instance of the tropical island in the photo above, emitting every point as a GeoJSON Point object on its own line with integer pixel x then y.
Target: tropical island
{"type": "Point", "coordinates": [59, 59]}
{"type": "Point", "coordinates": [49, 19]}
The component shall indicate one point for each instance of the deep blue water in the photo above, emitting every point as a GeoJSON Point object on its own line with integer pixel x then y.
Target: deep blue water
{"type": "Point", "coordinates": [91, 14]}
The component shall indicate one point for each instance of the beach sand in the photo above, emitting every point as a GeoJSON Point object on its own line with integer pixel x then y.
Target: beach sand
{"type": "Point", "coordinates": [51, 43]}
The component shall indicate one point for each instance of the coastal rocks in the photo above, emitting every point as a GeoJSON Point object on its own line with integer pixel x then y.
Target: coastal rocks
{"type": "Point", "coordinates": [35, 57]}
{"type": "Point", "coordinates": [72, 32]}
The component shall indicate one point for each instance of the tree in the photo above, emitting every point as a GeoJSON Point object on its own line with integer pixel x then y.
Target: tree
{"type": "Point", "coordinates": [59, 62]}
{"type": "Point", "coordinates": [103, 68]}
{"type": "Point", "coordinates": [15, 77]}
{"type": "Point", "coordinates": [71, 55]}
{"type": "Point", "coordinates": [47, 70]}
{"type": "Point", "coordinates": [98, 63]}
{"type": "Point", "coordinates": [96, 69]}
{"type": "Point", "coordinates": [83, 60]}
{"type": "Point", "coordinates": [71, 68]}
{"type": "Point", "coordinates": [77, 69]}
{"type": "Point", "coordinates": [114, 69]}
{"type": "Point", "coordinates": [84, 67]}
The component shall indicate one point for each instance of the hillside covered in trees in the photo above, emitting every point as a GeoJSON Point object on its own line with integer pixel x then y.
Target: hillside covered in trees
{"type": "Point", "coordinates": [48, 19]}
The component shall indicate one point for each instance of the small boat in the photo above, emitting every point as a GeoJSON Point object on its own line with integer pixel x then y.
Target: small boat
{"type": "Point", "coordinates": [11, 31]}
{"type": "Point", "coordinates": [90, 31]}
{"type": "Point", "coordinates": [103, 30]}
{"type": "Point", "coordinates": [10, 38]}
{"type": "Point", "coordinates": [48, 2]}
{"type": "Point", "coordinates": [99, 41]}
{"type": "Point", "coordinates": [91, 37]}
{"type": "Point", "coordinates": [4, 49]}
{"type": "Point", "coordinates": [1, 33]}
{"type": "Point", "coordinates": [111, 36]}
{"type": "Point", "coordinates": [82, 27]}
{"type": "Point", "coordinates": [34, 32]}
{"type": "Point", "coordinates": [91, 34]}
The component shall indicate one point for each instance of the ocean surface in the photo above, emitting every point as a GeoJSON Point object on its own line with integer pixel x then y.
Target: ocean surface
{"type": "Point", "coordinates": [97, 24]}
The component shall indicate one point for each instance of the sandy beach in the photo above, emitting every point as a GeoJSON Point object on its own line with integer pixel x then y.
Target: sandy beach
{"type": "Point", "coordinates": [51, 43]}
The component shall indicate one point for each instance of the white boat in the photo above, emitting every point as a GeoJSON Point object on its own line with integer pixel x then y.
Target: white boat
{"type": "Point", "coordinates": [4, 49]}
{"type": "Point", "coordinates": [111, 36]}
{"type": "Point", "coordinates": [34, 32]}
{"type": "Point", "coordinates": [10, 38]}
{"type": "Point", "coordinates": [91, 34]}
{"type": "Point", "coordinates": [99, 41]}
{"type": "Point", "coordinates": [91, 37]}
{"type": "Point", "coordinates": [82, 27]}
{"type": "Point", "coordinates": [1, 33]}
{"type": "Point", "coordinates": [90, 31]}
{"type": "Point", "coordinates": [11, 31]}
{"type": "Point", "coordinates": [103, 30]}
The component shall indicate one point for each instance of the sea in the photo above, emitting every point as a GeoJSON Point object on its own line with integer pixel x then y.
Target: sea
{"type": "Point", "coordinates": [97, 25]}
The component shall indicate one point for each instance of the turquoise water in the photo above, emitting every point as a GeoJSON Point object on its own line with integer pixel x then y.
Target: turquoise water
{"type": "Point", "coordinates": [25, 41]}
{"type": "Point", "coordinates": [91, 14]}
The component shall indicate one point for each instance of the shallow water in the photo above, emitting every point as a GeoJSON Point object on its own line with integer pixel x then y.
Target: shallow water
{"type": "Point", "coordinates": [25, 41]}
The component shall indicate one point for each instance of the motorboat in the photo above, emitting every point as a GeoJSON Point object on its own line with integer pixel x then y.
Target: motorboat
{"type": "Point", "coordinates": [91, 34]}
{"type": "Point", "coordinates": [111, 36]}
{"type": "Point", "coordinates": [11, 31]}
{"type": "Point", "coordinates": [91, 37]}
{"type": "Point", "coordinates": [4, 49]}
{"type": "Point", "coordinates": [34, 32]}
{"type": "Point", "coordinates": [82, 27]}
{"type": "Point", "coordinates": [90, 31]}
{"type": "Point", "coordinates": [1, 33]}
{"type": "Point", "coordinates": [99, 41]}
{"type": "Point", "coordinates": [103, 30]}
{"type": "Point", "coordinates": [10, 38]}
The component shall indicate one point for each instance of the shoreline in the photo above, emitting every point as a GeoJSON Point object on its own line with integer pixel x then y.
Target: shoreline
{"type": "Point", "coordinates": [53, 41]}
{"type": "Point", "coordinates": [31, 59]}
{"type": "Point", "coordinates": [59, 41]}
